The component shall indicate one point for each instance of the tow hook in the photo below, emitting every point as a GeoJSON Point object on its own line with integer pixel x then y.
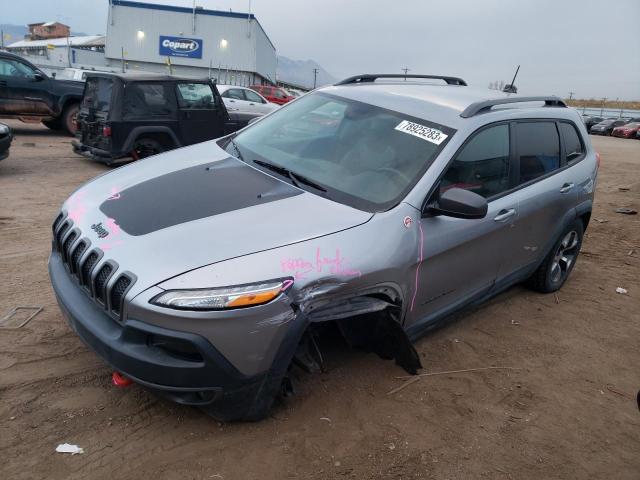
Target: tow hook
{"type": "Point", "coordinates": [120, 380]}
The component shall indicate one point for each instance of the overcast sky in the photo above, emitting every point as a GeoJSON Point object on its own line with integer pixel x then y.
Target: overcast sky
{"type": "Point", "coordinates": [590, 47]}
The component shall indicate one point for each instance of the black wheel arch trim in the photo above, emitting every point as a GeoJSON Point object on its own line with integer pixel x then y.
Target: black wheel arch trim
{"type": "Point", "coordinates": [137, 132]}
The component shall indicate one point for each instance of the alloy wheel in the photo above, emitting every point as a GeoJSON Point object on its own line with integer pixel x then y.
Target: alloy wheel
{"type": "Point", "coordinates": [565, 256]}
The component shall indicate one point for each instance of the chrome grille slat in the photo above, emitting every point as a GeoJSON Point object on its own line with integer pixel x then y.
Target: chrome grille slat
{"type": "Point", "coordinates": [81, 261]}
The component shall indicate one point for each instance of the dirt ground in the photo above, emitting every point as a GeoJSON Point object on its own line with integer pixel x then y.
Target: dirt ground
{"type": "Point", "coordinates": [567, 409]}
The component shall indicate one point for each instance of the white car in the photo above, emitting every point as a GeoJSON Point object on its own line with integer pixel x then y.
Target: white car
{"type": "Point", "coordinates": [72, 74]}
{"type": "Point", "coordinates": [243, 99]}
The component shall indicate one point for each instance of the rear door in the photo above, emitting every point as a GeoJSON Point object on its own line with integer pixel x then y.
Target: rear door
{"type": "Point", "coordinates": [256, 102]}
{"type": "Point", "coordinates": [201, 112]}
{"type": "Point", "coordinates": [234, 99]}
{"type": "Point", "coordinates": [546, 189]}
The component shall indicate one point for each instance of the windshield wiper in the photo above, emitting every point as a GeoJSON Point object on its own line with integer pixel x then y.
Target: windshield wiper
{"type": "Point", "coordinates": [294, 177]}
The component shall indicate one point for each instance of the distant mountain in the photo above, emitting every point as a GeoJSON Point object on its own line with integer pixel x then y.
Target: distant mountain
{"type": "Point", "coordinates": [300, 72]}
{"type": "Point", "coordinates": [15, 33]}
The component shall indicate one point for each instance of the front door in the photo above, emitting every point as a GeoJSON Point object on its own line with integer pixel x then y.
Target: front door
{"type": "Point", "coordinates": [202, 115]}
{"type": "Point", "coordinates": [460, 257]}
{"type": "Point", "coordinates": [23, 90]}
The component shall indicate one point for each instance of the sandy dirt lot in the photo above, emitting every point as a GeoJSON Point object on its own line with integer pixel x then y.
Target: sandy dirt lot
{"type": "Point", "coordinates": [567, 411]}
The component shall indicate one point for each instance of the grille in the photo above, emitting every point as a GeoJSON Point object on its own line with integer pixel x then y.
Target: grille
{"type": "Point", "coordinates": [74, 264]}
{"type": "Point", "coordinates": [87, 268]}
{"type": "Point", "coordinates": [117, 293]}
{"type": "Point", "coordinates": [101, 281]}
{"type": "Point", "coordinates": [72, 248]}
{"type": "Point", "coordinates": [57, 222]}
{"type": "Point", "coordinates": [66, 247]}
{"type": "Point", "coordinates": [61, 234]}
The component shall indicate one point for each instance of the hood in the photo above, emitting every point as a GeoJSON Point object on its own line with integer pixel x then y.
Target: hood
{"type": "Point", "coordinates": [172, 213]}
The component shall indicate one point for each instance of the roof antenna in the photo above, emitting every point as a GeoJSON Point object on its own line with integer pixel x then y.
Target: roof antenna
{"type": "Point", "coordinates": [511, 87]}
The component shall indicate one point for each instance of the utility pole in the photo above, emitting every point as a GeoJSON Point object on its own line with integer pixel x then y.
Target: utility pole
{"type": "Point", "coordinates": [571, 95]}
{"type": "Point", "coordinates": [604, 99]}
{"type": "Point", "coordinates": [315, 77]}
{"type": "Point", "coordinates": [405, 70]}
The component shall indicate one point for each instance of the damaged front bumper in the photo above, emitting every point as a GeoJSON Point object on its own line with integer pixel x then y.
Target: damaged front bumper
{"type": "Point", "coordinates": [182, 366]}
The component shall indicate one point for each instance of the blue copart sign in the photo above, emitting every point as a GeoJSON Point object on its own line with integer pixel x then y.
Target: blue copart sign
{"type": "Point", "coordinates": [180, 47]}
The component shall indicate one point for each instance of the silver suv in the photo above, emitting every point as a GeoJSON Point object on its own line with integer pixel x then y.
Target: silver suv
{"type": "Point", "coordinates": [380, 205]}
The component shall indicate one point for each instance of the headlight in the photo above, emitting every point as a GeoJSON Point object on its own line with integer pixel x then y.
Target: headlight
{"type": "Point", "coordinates": [4, 129]}
{"type": "Point", "coordinates": [221, 298]}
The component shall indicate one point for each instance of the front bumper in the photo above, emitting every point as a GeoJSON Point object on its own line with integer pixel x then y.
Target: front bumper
{"type": "Point", "coordinates": [98, 154]}
{"type": "Point", "coordinates": [154, 357]}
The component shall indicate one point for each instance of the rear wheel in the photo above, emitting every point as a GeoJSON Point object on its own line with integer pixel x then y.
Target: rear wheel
{"type": "Point", "coordinates": [69, 118]}
{"type": "Point", "coordinates": [146, 147]}
{"type": "Point", "coordinates": [557, 266]}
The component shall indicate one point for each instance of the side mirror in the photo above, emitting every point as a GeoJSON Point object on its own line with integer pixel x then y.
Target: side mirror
{"type": "Point", "coordinates": [38, 77]}
{"type": "Point", "coordinates": [460, 203]}
{"type": "Point", "coordinates": [253, 120]}
{"type": "Point", "coordinates": [53, 74]}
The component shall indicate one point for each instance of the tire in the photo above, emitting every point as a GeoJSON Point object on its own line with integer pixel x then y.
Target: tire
{"type": "Point", "coordinates": [558, 264]}
{"type": "Point", "coordinates": [68, 118]}
{"type": "Point", "coordinates": [146, 147]}
{"type": "Point", "coordinates": [52, 124]}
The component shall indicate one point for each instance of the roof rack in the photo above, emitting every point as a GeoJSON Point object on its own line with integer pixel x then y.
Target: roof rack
{"type": "Point", "coordinates": [370, 78]}
{"type": "Point", "coordinates": [480, 107]}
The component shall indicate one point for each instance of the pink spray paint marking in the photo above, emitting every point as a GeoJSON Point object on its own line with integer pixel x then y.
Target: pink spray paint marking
{"type": "Point", "coordinates": [300, 267]}
{"type": "Point", "coordinates": [415, 291]}
{"type": "Point", "coordinates": [286, 284]}
{"type": "Point", "coordinates": [114, 233]}
{"type": "Point", "coordinates": [115, 194]}
{"type": "Point", "coordinates": [77, 208]}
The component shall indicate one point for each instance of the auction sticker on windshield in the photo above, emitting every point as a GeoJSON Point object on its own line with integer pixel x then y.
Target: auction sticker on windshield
{"type": "Point", "coordinates": [426, 133]}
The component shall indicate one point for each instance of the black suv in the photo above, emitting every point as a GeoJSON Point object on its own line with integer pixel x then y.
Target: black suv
{"type": "Point", "coordinates": [28, 94]}
{"type": "Point", "coordinates": [125, 117]}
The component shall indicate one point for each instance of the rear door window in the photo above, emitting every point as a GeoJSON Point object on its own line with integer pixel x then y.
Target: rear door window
{"type": "Point", "coordinates": [253, 96]}
{"type": "Point", "coordinates": [234, 93]}
{"type": "Point", "coordinates": [196, 96]}
{"type": "Point", "coordinates": [150, 99]}
{"type": "Point", "coordinates": [538, 147]}
{"type": "Point", "coordinates": [482, 166]}
{"type": "Point", "coordinates": [574, 150]}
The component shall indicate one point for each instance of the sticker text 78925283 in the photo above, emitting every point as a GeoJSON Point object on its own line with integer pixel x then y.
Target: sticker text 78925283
{"type": "Point", "coordinates": [429, 134]}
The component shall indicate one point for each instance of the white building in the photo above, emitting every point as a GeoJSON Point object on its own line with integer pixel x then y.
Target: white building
{"type": "Point", "coordinates": [229, 46]}
{"type": "Point", "coordinates": [158, 38]}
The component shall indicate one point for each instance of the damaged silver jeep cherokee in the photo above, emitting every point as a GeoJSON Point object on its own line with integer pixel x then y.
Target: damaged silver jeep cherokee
{"type": "Point", "coordinates": [380, 205]}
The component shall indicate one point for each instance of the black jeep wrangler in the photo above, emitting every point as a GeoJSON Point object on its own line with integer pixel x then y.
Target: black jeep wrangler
{"type": "Point", "coordinates": [28, 94]}
{"type": "Point", "coordinates": [125, 117]}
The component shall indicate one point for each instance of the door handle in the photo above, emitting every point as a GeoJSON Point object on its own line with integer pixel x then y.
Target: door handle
{"type": "Point", "coordinates": [504, 215]}
{"type": "Point", "coordinates": [566, 187]}
{"type": "Point", "coordinates": [232, 101]}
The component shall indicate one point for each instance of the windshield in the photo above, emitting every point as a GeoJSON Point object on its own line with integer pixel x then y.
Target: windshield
{"type": "Point", "coordinates": [97, 94]}
{"type": "Point", "coordinates": [365, 156]}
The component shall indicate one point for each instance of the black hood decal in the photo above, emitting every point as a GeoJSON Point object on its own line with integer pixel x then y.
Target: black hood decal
{"type": "Point", "coordinates": [191, 194]}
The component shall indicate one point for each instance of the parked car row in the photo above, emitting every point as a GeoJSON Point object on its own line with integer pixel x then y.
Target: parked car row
{"type": "Point", "coordinates": [618, 127]}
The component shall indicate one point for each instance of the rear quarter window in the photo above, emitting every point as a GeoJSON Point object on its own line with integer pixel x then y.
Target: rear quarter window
{"type": "Point", "coordinates": [148, 100]}
{"type": "Point", "coordinates": [97, 94]}
{"type": "Point", "coordinates": [573, 145]}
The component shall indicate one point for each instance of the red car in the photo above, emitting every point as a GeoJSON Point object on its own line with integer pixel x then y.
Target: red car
{"type": "Point", "coordinates": [273, 94]}
{"type": "Point", "coordinates": [626, 131]}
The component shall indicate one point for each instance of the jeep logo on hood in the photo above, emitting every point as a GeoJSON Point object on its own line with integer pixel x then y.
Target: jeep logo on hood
{"type": "Point", "coordinates": [180, 47]}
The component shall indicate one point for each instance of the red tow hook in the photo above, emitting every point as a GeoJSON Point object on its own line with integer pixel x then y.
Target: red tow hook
{"type": "Point", "coordinates": [120, 380]}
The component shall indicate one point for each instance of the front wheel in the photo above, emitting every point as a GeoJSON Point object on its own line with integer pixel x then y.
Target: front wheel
{"type": "Point", "coordinates": [557, 266]}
